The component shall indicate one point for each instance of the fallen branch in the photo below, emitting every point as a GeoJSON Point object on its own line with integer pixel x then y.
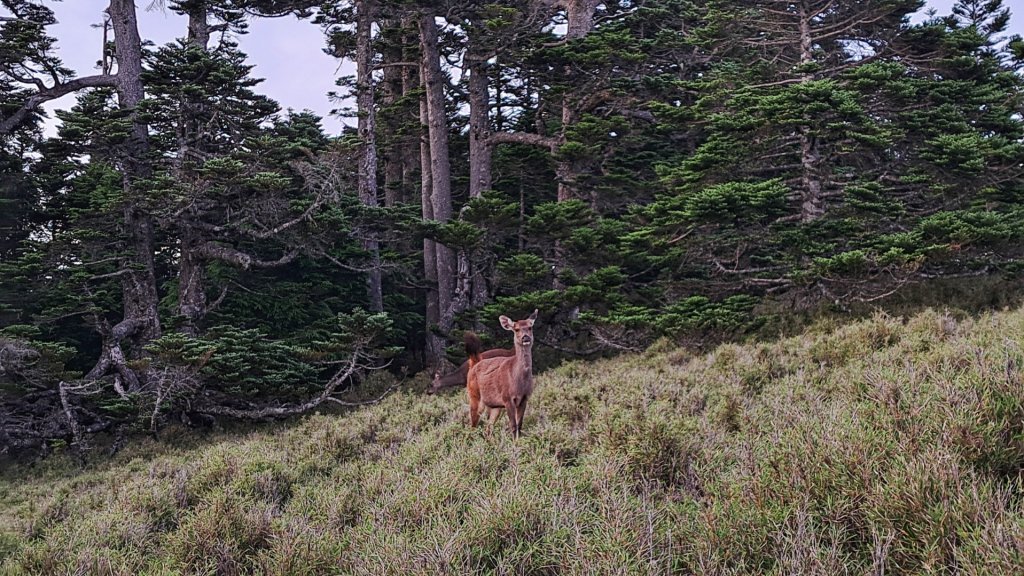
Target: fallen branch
{"type": "Point", "coordinates": [351, 367]}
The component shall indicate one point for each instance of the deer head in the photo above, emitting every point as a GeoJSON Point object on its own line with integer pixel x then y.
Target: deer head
{"type": "Point", "coordinates": [522, 329]}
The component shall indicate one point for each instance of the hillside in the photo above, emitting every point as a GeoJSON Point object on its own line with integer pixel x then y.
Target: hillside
{"type": "Point", "coordinates": [886, 446]}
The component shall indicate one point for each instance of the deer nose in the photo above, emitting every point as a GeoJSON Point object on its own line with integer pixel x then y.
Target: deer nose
{"type": "Point", "coordinates": [527, 340]}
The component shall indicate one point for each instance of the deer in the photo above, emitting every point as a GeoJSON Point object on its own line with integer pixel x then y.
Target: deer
{"type": "Point", "coordinates": [503, 381]}
{"type": "Point", "coordinates": [458, 378]}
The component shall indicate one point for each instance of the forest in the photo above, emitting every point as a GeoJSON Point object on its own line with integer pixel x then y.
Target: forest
{"type": "Point", "coordinates": [183, 250]}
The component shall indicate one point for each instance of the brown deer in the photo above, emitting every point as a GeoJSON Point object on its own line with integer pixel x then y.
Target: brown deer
{"type": "Point", "coordinates": [458, 378]}
{"type": "Point", "coordinates": [502, 382]}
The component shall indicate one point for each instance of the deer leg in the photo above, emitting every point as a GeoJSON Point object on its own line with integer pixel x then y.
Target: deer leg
{"type": "Point", "coordinates": [474, 408]}
{"type": "Point", "coordinates": [492, 416]}
{"type": "Point", "coordinates": [510, 407]}
{"type": "Point", "coordinates": [520, 412]}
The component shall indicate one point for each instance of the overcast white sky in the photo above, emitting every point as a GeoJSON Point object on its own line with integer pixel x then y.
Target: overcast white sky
{"type": "Point", "coordinates": [287, 52]}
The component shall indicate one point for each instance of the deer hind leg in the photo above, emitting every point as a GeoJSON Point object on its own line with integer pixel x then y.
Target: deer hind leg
{"type": "Point", "coordinates": [492, 416]}
{"type": "Point", "coordinates": [474, 408]}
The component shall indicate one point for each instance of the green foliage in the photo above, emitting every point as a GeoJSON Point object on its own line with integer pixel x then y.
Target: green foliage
{"type": "Point", "coordinates": [522, 270]}
{"type": "Point", "coordinates": [243, 363]}
{"type": "Point", "coordinates": [246, 365]}
{"type": "Point", "coordinates": [676, 166]}
{"type": "Point", "coordinates": [736, 202]}
{"type": "Point", "coordinates": [972, 226]}
{"type": "Point", "coordinates": [556, 220]}
{"type": "Point", "coordinates": [458, 234]}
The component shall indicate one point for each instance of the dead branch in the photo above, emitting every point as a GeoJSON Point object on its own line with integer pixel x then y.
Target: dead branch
{"type": "Point", "coordinates": [350, 368]}
{"type": "Point", "coordinates": [7, 125]}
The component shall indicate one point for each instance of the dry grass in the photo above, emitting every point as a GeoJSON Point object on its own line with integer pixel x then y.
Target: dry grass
{"type": "Point", "coordinates": [882, 447]}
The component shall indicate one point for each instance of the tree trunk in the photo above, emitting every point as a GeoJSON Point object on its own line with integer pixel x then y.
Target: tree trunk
{"type": "Point", "coordinates": [580, 19]}
{"type": "Point", "coordinates": [368, 135]}
{"type": "Point", "coordinates": [393, 161]}
{"type": "Point", "coordinates": [579, 15]}
{"type": "Point", "coordinates": [434, 346]}
{"type": "Point", "coordinates": [411, 147]}
{"type": "Point", "coordinates": [479, 126]}
{"type": "Point", "coordinates": [394, 124]}
{"type": "Point", "coordinates": [191, 286]}
{"type": "Point", "coordinates": [139, 284]}
{"type": "Point", "coordinates": [440, 176]}
{"type": "Point", "coordinates": [811, 189]}
{"type": "Point", "coordinates": [198, 25]}
{"type": "Point", "coordinates": [480, 160]}
{"type": "Point", "coordinates": [191, 265]}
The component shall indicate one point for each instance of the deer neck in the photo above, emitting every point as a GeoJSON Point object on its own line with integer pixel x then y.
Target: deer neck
{"type": "Point", "coordinates": [524, 359]}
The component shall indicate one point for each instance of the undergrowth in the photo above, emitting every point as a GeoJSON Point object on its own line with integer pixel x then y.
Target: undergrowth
{"type": "Point", "coordinates": [887, 446]}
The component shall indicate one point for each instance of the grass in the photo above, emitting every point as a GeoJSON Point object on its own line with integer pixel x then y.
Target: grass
{"type": "Point", "coordinates": [888, 446]}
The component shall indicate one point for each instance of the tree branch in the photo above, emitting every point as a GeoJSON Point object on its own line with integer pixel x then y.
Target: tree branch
{"type": "Point", "coordinates": [7, 125]}
{"type": "Point", "coordinates": [350, 368]}
{"type": "Point", "coordinates": [523, 138]}
{"type": "Point", "coordinates": [238, 258]}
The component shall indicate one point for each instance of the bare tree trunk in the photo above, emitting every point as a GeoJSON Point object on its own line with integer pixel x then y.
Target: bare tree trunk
{"type": "Point", "coordinates": [392, 92]}
{"type": "Point", "coordinates": [440, 178]}
{"type": "Point", "coordinates": [198, 25]}
{"type": "Point", "coordinates": [411, 147]}
{"type": "Point", "coordinates": [191, 286]}
{"type": "Point", "coordinates": [579, 15]}
{"type": "Point", "coordinates": [480, 160]}
{"type": "Point", "coordinates": [368, 135]}
{"type": "Point", "coordinates": [141, 321]}
{"type": "Point", "coordinates": [811, 189]}
{"type": "Point", "coordinates": [479, 126]}
{"type": "Point", "coordinates": [139, 284]}
{"type": "Point", "coordinates": [434, 345]}
{"type": "Point", "coordinates": [191, 266]}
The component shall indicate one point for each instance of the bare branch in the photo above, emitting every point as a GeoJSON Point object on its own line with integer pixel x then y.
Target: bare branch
{"type": "Point", "coordinates": [34, 101]}
{"type": "Point", "coordinates": [69, 413]}
{"type": "Point", "coordinates": [239, 258]}
{"type": "Point", "coordinates": [350, 368]}
{"type": "Point", "coordinates": [523, 138]}
{"type": "Point", "coordinates": [376, 400]}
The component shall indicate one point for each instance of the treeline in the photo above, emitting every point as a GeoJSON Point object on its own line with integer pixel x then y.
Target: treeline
{"type": "Point", "coordinates": [184, 249]}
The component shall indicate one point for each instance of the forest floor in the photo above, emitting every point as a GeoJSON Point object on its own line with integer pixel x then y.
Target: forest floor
{"type": "Point", "coordinates": [884, 446]}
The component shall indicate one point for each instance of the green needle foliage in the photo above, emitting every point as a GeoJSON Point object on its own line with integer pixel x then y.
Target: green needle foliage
{"type": "Point", "coordinates": [664, 170]}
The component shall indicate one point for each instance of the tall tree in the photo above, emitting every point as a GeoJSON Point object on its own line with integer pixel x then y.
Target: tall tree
{"type": "Point", "coordinates": [437, 198]}
{"type": "Point", "coordinates": [365, 17]}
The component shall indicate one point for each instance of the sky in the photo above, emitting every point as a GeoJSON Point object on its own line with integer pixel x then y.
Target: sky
{"type": "Point", "coordinates": [287, 52]}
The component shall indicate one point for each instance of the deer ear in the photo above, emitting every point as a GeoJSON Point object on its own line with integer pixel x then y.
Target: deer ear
{"type": "Point", "coordinates": [506, 323]}
{"type": "Point", "coordinates": [533, 317]}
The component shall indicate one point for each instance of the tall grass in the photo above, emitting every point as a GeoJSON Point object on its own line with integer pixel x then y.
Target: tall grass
{"type": "Point", "coordinates": [887, 446]}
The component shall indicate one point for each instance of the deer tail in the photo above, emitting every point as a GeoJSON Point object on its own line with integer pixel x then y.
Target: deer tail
{"type": "Point", "coordinates": [473, 347]}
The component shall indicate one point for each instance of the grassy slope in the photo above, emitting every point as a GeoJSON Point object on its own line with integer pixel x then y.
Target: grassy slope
{"type": "Point", "coordinates": [880, 445]}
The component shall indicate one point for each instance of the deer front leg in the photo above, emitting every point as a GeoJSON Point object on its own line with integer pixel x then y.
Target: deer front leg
{"type": "Point", "coordinates": [510, 407]}
{"type": "Point", "coordinates": [520, 413]}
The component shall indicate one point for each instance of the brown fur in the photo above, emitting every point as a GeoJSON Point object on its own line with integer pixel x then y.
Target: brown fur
{"type": "Point", "coordinates": [502, 382]}
{"type": "Point", "coordinates": [458, 378]}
